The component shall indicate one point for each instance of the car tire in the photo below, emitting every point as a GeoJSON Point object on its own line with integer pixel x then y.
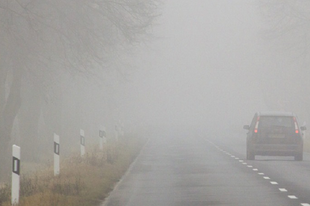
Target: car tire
{"type": "Point", "coordinates": [250, 155]}
{"type": "Point", "coordinates": [299, 157]}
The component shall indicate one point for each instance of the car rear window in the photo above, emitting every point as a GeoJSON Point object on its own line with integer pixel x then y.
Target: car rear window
{"type": "Point", "coordinates": [272, 121]}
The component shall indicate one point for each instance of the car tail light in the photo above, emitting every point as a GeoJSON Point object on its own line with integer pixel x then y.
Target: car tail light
{"type": "Point", "coordinates": [296, 126]}
{"type": "Point", "coordinates": [256, 125]}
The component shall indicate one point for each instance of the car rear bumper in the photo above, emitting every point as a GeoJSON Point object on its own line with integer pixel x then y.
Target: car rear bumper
{"type": "Point", "coordinates": [277, 149]}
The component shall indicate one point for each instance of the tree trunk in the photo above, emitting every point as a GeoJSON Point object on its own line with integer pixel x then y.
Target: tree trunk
{"type": "Point", "coordinates": [29, 117]}
{"type": "Point", "coordinates": [3, 75]}
{"type": "Point", "coordinates": [7, 118]}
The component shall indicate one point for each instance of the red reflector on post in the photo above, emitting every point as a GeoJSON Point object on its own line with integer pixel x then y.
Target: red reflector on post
{"type": "Point", "coordinates": [296, 131]}
{"type": "Point", "coordinates": [255, 131]}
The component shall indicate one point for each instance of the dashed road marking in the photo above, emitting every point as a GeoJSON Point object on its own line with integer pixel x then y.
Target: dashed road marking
{"type": "Point", "coordinates": [255, 169]}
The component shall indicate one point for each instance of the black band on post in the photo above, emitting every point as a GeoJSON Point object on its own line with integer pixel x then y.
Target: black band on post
{"type": "Point", "coordinates": [82, 140]}
{"type": "Point", "coordinates": [16, 165]}
{"type": "Point", "coordinates": [56, 148]}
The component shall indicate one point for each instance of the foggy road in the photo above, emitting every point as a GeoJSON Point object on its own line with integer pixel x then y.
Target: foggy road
{"type": "Point", "coordinates": [203, 169]}
{"type": "Point", "coordinates": [198, 70]}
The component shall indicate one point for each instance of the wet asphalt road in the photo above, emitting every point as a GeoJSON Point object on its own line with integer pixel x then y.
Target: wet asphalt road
{"type": "Point", "coordinates": [205, 170]}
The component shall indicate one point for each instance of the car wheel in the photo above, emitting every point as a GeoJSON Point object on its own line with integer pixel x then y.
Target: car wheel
{"type": "Point", "coordinates": [250, 155]}
{"type": "Point", "coordinates": [299, 157]}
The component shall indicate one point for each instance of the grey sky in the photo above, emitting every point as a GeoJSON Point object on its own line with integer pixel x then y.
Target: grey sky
{"type": "Point", "coordinates": [204, 66]}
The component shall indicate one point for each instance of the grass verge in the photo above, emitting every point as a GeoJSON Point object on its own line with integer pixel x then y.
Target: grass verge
{"type": "Point", "coordinates": [307, 144]}
{"type": "Point", "coordinates": [82, 181]}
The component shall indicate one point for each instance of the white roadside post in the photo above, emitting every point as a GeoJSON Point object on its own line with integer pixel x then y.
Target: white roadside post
{"type": "Point", "coordinates": [15, 175]}
{"type": "Point", "coordinates": [82, 142]}
{"type": "Point", "coordinates": [102, 137]}
{"type": "Point", "coordinates": [56, 155]}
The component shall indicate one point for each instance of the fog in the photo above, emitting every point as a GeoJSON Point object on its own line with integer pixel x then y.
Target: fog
{"type": "Point", "coordinates": [159, 69]}
{"type": "Point", "coordinates": [179, 64]}
{"type": "Point", "coordinates": [203, 69]}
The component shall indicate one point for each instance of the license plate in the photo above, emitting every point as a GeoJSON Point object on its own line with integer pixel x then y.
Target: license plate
{"type": "Point", "coordinates": [276, 136]}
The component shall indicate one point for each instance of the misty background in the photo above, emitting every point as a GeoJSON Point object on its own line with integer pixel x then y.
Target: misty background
{"type": "Point", "coordinates": [176, 64]}
{"type": "Point", "coordinates": [215, 63]}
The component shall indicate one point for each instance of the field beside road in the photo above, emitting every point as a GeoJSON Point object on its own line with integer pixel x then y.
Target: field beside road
{"type": "Point", "coordinates": [82, 181]}
{"type": "Point", "coordinates": [307, 144]}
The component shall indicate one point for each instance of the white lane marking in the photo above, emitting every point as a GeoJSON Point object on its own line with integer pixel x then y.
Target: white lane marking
{"type": "Point", "coordinates": [305, 204]}
{"type": "Point", "coordinates": [266, 178]}
{"type": "Point", "coordinates": [250, 166]}
{"type": "Point", "coordinates": [255, 169]}
{"type": "Point", "coordinates": [292, 197]}
{"type": "Point", "coordinates": [232, 156]}
{"type": "Point", "coordinates": [273, 183]}
{"type": "Point", "coordinates": [237, 158]}
{"type": "Point", "coordinates": [283, 189]}
{"type": "Point", "coordinates": [244, 163]}
{"type": "Point", "coordinates": [261, 173]}
{"type": "Point", "coordinates": [240, 160]}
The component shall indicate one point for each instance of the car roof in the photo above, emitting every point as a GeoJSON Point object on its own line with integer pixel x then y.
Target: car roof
{"type": "Point", "coordinates": [276, 113]}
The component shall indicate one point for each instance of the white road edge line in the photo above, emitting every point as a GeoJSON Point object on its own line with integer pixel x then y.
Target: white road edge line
{"type": "Point", "coordinates": [117, 185]}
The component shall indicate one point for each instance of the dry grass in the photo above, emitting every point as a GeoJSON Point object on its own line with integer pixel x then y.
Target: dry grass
{"type": "Point", "coordinates": [82, 181]}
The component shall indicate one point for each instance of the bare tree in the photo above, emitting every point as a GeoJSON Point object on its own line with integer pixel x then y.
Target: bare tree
{"type": "Point", "coordinates": [287, 35]}
{"type": "Point", "coordinates": [43, 39]}
{"type": "Point", "coordinates": [288, 26]}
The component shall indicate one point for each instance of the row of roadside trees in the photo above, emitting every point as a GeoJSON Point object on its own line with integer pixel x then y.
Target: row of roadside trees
{"type": "Point", "coordinates": [50, 52]}
{"type": "Point", "coordinates": [285, 74]}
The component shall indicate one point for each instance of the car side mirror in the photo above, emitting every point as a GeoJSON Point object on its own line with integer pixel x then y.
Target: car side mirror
{"type": "Point", "coordinates": [303, 128]}
{"type": "Point", "coordinates": [247, 127]}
